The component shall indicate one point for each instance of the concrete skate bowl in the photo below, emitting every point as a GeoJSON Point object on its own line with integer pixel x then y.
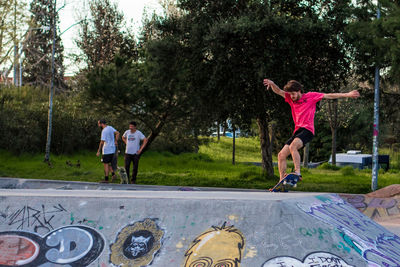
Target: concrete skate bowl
{"type": "Point", "coordinates": [190, 229]}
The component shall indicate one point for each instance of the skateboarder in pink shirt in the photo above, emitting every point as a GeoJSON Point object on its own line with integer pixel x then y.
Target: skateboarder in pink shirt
{"type": "Point", "coordinates": [303, 106]}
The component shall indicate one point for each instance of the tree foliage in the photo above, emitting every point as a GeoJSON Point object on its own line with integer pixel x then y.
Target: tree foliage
{"type": "Point", "coordinates": [206, 63]}
{"type": "Point", "coordinates": [376, 44]}
{"type": "Point", "coordinates": [23, 121]}
{"type": "Point", "coordinates": [13, 21]}
{"type": "Point", "coordinates": [102, 35]}
{"type": "Point", "coordinates": [38, 47]}
{"type": "Point", "coordinates": [238, 43]}
{"type": "Point", "coordinates": [377, 41]}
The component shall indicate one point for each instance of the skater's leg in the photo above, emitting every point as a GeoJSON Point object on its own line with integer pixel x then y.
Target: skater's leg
{"type": "Point", "coordinates": [294, 151]}
{"type": "Point", "coordinates": [282, 155]}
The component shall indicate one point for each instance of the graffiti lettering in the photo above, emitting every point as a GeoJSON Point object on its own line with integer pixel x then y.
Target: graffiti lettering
{"type": "Point", "coordinates": [71, 249]}
{"type": "Point", "coordinates": [375, 244]}
{"type": "Point", "coordinates": [17, 250]}
{"type": "Point", "coordinates": [375, 208]}
{"type": "Point", "coordinates": [70, 246]}
{"type": "Point", "coordinates": [316, 259]}
{"type": "Point", "coordinates": [322, 233]}
{"type": "Point", "coordinates": [27, 217]}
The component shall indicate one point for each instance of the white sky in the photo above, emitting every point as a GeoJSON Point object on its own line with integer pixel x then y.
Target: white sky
{"type": "Point", "coordinates": [70, 13]}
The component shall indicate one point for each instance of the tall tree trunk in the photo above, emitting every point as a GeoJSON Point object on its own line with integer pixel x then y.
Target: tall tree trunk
{"type": "Point", "coordinates": [333, 110]}
{"type": "Point", "coordinates": [272, 133]}
{"type": "Point", "coordinates": [334, 130]}
{"type": "Point", "coordinates": [233, 145]}
{"type": "Point", "coordinates": [155, 132]}
{"type": "Point", "coordinates": [218, 131]}
{"type": "Point", "coordinates": [306, 153]}
{"type": "Point", "coordinates": [266, 152]}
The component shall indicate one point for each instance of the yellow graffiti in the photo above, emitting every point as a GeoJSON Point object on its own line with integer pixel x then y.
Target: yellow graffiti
{"type": "Point", "coordinates": [119, 258]}
{"type": "Point", "coordinates": [251, 253]}
{"type": "Point", "coordinates": [233, 218]}
{"type": "Point", "coordinates": [217, 247]}
{"type": "Point", "coordinates": [179, 245]}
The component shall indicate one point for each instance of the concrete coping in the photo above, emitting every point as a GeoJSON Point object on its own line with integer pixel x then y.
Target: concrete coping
{"type": "Point", "coordinates": [205, 195]}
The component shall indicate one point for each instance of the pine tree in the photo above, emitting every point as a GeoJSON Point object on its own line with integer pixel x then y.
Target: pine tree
{"type": "Point", "coordinates": [38, 47]}
{"type": "Point", "coordinates": [102, 37]}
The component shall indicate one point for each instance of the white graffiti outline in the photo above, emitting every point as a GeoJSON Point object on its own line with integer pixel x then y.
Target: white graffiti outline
{"type": "Point", "coordinates": [356, 230]}
{"type": "Point", "coordinates": [284, 261]}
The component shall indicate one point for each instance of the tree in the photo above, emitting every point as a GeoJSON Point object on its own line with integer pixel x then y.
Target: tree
{"type": "Point", "coordinates": [376, 44]}
{"type": "Point", "coordinates": [152, 90]}
{"type": "Point", "coordinates": [102, 37]}
{"type": "Point", "coordinates": [376, 41]}
{"type": "Point", "coordinates": [239, 43]}
{"type": "Point", "coordinates": [339, 113]}
{"type": "Point", "coordinates": [13, 20]}
{"type": "Point", "coordinates": [38, 47]}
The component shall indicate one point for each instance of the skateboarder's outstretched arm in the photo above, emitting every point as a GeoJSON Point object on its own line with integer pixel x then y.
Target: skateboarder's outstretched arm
{"type": "Point", "coordinates": [275, 88]}
{"type": "Point", "coordinates": [351, 94]}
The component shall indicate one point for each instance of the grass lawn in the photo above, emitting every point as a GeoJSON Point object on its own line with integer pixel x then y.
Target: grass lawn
{"type": "Point", "coordinates": [211, 167]}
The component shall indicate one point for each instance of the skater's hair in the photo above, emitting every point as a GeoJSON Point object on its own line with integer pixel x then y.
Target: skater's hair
{"type": "Point", "coordinates": [102, 121]}
{"type": "Point", "coordinates": [133, 123]}
{"type": "Point", "coordinates": [293, 86]}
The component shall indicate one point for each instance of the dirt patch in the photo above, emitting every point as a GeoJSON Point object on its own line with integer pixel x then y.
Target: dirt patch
{"type": "Point", "coordinates": [388, 191]}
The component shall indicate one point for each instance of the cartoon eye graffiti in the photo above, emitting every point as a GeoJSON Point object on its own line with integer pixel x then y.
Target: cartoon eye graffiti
{"type": "Point", "coordinates": [202, 262]}
{"type": "Point", "coordinates": [225, 263]}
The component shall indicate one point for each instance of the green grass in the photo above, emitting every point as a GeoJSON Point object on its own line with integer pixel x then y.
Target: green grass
{"type": "Point", "coordinates": [211, 167]}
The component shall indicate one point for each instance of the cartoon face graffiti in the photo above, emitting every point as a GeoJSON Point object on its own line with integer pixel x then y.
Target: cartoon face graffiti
{"type": "Point", "coordinates": [218, 247]}
{"type": "Point", "coordinates": [138, 244]}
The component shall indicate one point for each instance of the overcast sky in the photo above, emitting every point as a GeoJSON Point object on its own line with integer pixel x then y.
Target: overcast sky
{"type": "Point", "coordinates": [69, 15]}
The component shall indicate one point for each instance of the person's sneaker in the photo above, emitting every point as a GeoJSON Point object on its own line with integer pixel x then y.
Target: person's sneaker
{"type": "Point", "coordinates": [104, 182]}
{"type": "Point", "coordinates": [113, 178]}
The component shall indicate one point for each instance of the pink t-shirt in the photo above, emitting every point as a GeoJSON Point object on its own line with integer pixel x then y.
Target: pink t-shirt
{"type": "Point", "coordinates": [303, 110]}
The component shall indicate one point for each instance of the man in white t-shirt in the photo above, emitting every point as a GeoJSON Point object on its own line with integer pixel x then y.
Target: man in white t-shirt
{"type": "Point", "coordinates": [132, 138]}
{"type": "Point", "coordinates": [108, 145]}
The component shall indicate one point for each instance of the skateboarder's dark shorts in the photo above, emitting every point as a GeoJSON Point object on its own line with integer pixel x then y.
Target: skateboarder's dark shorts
{"type": "Point", "coordinates": [107, 158]}
{"type": "Point", "coordinates": [304, 135]}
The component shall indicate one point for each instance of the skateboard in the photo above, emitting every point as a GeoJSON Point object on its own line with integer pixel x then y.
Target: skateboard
{"type": "Point", "coordinates": [290, 180]}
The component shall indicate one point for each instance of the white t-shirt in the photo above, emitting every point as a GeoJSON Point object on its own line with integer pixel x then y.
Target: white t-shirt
{"type": "Point", "coordinates": [133, 141]}
{"type": "Point", "coordinates": [107, 135]}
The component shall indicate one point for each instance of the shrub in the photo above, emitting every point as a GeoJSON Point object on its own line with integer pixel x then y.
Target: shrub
{"type": "Point", "coordinates": [327, 166]}
{"type": "Point", "coordinates": [347, 171]}
{"type": "Point", "coordinates": [23, 122]}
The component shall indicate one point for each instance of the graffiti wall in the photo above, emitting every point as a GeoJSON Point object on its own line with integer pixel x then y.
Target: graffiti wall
{"type": "Point", "coordinates": [378, 209]}
{"type": "Point", "coordinates": [82, 231]}
{"type": "Point", "coordinates": [137, 244]}
{"type": "Point", "coordinates": [315, 259]}
{"type": "Point", "coordinates": [219, 246]}
{"type": "Point", "coordinates": [371, 241]}
{"type": "Point", "coordinates": [69, 245]}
